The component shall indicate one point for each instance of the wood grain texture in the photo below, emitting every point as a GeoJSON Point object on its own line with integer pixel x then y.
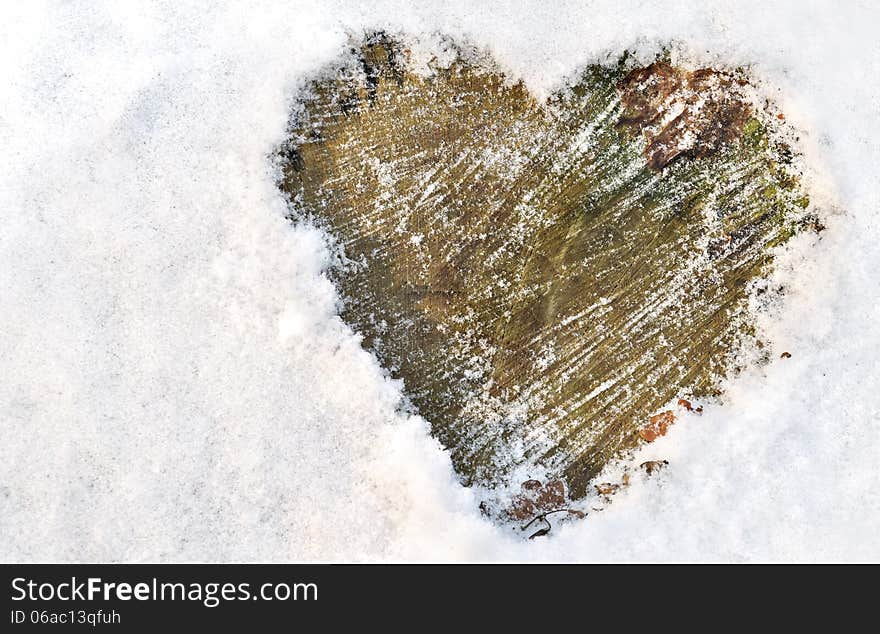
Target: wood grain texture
{"type": "Point", "coordinates": [544, 276]}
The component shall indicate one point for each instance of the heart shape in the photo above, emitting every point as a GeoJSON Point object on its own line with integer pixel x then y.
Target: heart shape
{"type": "Point", "coordinates": [544, 276]}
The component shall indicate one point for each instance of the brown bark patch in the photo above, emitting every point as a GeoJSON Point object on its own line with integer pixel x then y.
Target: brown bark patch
{"type": "Point", "coordinates": [682, 113]}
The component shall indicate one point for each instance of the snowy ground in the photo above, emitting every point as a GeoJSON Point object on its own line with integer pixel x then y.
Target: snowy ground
{"type": "Point", "coordinates": [176, 385]}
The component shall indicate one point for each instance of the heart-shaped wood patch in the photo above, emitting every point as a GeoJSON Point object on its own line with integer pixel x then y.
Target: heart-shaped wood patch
{"type": "Point", "coordinates": [544, 276]}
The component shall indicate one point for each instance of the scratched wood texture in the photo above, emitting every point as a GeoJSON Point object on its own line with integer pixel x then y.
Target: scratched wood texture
{"type": "Point", "coordinates": [542, 275]}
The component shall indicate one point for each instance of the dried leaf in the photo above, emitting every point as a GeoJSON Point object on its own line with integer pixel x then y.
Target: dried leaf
{"type": "Point", "coordinates": [552, 496]}
{"type": "Point", "coordinates": [522, 508]}
{"type": "Point", "coordinates": [657, 426]}
{"type": "Point", "coordinates": [652, 466]}
{"type": "Point", "coordinates": [647, 434]}
{"type": "Point", "coordinates": [537, 498]}
{"type": "Point", "coordinates": [663, 420]}
{"type": "Point", "coordinates": [607, 488]}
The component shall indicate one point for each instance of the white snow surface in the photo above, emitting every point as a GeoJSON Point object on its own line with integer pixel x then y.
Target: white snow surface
{"type": "Point", "coordinates": [175, 383]}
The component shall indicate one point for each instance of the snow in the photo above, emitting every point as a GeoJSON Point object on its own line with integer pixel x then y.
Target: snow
{"type": "Point", "coordinates": [177, 384]}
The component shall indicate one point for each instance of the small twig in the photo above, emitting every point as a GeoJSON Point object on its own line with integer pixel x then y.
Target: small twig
{"type": "Point", "coordinates": [543, 517]}
{"type": "Point", "coordinates": [541, 531]}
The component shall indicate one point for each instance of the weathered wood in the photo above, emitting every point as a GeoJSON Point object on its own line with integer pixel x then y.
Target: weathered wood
{"type": "Point", "coordinates": [543, 276]}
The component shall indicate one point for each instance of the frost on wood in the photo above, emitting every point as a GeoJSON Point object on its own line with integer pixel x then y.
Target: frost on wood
{"type": "Point", "coordinates": [544, 276]}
